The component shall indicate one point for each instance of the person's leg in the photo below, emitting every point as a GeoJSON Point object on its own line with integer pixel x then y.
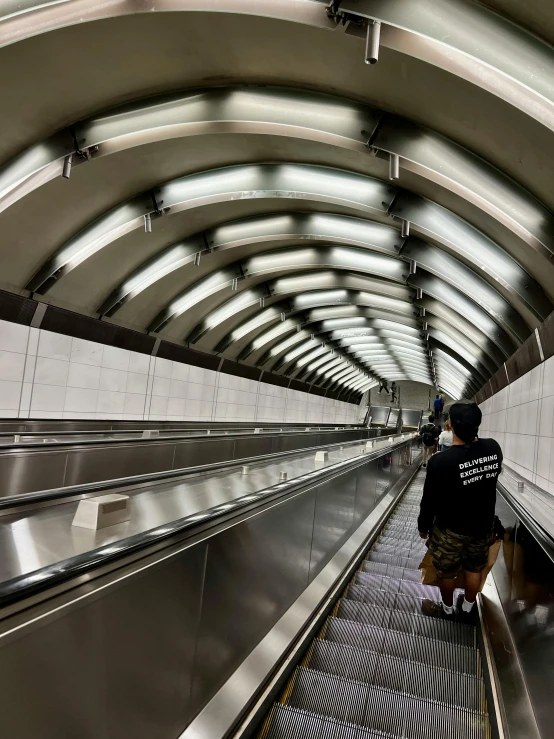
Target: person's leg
{"type": "Point", "coordinates": [472, 585]}
{"type": "Point", "coordinates": [447, 591]}
{"type": "Point", "coordinates": [474, 560]}
{"type": "Point", "coordinates": [445, 549]}
{"type": "Point", "coordinates": [426, 454]}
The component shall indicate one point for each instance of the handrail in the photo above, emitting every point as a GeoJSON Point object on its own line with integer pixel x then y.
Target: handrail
{"type": "Point", "coordinates": [202, 434]}
{"type": "Point", "coordinates": [184, 430]}
{"type": "Point", "coordinates": [543, 537]}
{"type": "Point", "coordinates": [88, 488]}
{"type": "Point", "coordinates": [24, 586]}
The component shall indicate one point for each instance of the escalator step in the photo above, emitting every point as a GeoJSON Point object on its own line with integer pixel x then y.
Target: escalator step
{"type": "Point", "coordinates": [399, 674]}
{"type": "Point", "coordinates": [399, 550]}
{"type": "Point", "coordinates": [415, 648]}
{"type": "Point", "coordinates": [409, 623]}
{"type": "Point", "coordinates": [388, 711]}
{"type": "Point", "coordinates": [411, 544]}
{"type": "Point", "coordinates": [286, 722]}
{"type": "Point", "coordinates": [394, 601]}
{"type": "Point", "coordinates": [399, 573]}
{"type": "Point", "coordinates": [395, 560]}
{"type": "Point", "coordinates": [393, 585]}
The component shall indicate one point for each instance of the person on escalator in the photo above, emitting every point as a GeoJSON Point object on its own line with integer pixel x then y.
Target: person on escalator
{"type": "Point", "coordinates": [457, 509]}
{"type": "Point", "coordinates": [429, 435]}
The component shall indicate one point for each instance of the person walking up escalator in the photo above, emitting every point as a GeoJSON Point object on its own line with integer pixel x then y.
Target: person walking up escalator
{"type": "Point", "coordinates": [429, 435]}
{"type": "Point", "coordinates": [457, 509]}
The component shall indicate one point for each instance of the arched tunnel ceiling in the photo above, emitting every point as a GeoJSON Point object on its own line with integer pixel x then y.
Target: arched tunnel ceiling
{"type": "Point", "coordinates": [230, 181]}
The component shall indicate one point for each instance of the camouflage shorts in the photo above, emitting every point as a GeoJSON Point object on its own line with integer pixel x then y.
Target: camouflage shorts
{"type": "Point", "coordinates": [452, 552]}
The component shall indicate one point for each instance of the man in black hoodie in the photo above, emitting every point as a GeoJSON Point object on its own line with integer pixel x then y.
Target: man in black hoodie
{"type": "Point", "coordinates": [457, 508]}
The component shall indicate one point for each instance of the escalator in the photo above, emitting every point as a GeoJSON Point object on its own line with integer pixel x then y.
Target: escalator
{"type": "Point", "coordinates": [379, 667]}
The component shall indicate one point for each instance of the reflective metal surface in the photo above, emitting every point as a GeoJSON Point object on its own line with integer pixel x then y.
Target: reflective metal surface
{"type": "Point", "coordinates": [211, 630]}
{"type": "Point", "coordinates": [524, 582]}
{"type": "Point", "coordinates": [36, 466]}
{"type": "Point", "coordinates": [35, 539]}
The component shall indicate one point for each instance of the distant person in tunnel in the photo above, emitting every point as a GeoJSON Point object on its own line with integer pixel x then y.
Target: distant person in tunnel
{"type": "Point", "coordinates": [383, 386]}
{"type": "Point", "coordinates": [445, 439]}
{"type": "Point", "coordinates": [457, 509]}
{"type": "Point", "coordinates": [393, 391]}
{"type": "Point", "coordinates": [429, 435]}
{"type": "Point", "coordinates": [438, 405]}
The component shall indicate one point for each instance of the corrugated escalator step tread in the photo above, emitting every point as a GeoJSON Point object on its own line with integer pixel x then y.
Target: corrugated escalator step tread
{"type": "Point", "coordinates": [287, 722]}
{"type": "Point", "coordinates": [399, 573]}
{"type": "Point", "coordinates": [397, 560]}
{"type": "Point", "coordinates": [410, 623]}
{"type": "Point", "coordinates": [396, 673]}
{"type": "Point", "coordinates": [393, 585]}
{"type": "Point", "coordinates": [415, 648]}
{"type": "Point", "coordinates": [385, 710]}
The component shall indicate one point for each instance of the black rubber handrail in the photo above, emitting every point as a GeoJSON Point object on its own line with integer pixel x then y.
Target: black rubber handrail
{"type": "Point", "coordinates": [88, 488]}
{"type": "Point", "coordinates": [32, 583]}
{"type": "Point", "coordinates": [535, 528]}
{"type": "Point", "coordinates": [201, 435]}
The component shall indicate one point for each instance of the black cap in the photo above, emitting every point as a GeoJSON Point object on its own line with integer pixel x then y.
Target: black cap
{"type": "Point", "coordinates": [465, 418]}
{"type": "Point", "coordinates": [467, 413]}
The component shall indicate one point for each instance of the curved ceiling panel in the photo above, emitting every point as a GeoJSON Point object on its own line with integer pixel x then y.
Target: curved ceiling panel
{"type": "Point", "coordinates": [333, 273]}
{"type": "Point", "coordinates": [292, 113]}
{"type": "Point", "coordinates": [469, 40]}
{"type": "Point", "coordinates": [323, 185]}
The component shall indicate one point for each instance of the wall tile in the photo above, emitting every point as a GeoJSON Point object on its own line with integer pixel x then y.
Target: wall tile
{"type": "Point", "coordinates": [110, 402]}
{"type": "Point", "coordinates": [546, 417]}
{"type": "Point", "coordinates": [116, 383]}
{"type": "Point", "coordinates": [161, 386]}
{"type": "Point", "coordinates": [51, 371]}
{"type": "Point", "coordinates": [12, 366]}
{"type": "Point", "coordinates": [163, 368]}
{"type": "Point", "coordinates": [158, 405]}
{"type": "Point", "coordinates": [32, 344]}
{"type": "Point", "coordinates": [25, 401]}
{"type": "Point", "coordinates": [29, 371]}
{"type": "Point", "coordinates": [544, 452]}
{"type": "Point", "coordinates": [115, 358]}
{"type": "Point", "coordinates": [10, 394]}
{"type": "Point", "coordinates": [113, 379]}
{"type": "Point", "coordinates": [47, 398]}
{"type": "Point", "coordinates": [136, 383]}
{"type": "Point", "coordinates": [176, 406]}
{"type": "Point", "coordinates": [86, 352]}
{"type": "Point", "coordinates": [535, 382]}
{"type": "Point", "coordinates": [180, 371]}
{"type": "Point", "coordinates": [54, 346]}
{"type": "Point", "coordinates": [139, 363]}
{"type": "Point", "coordinates": [83, 375]}
{"type": "Point", "coordinates": [13, 337]}
{"type": "Point", "coordinates": [548, 378]}
{"type": "Point", "coordinates": [528, 416]}
{"type": "Point", "coordinates": [177, 389]}
{"type": "Point", "coordinates": [134, 403]}
{"type": "Point", "coordinates": [81, 400]}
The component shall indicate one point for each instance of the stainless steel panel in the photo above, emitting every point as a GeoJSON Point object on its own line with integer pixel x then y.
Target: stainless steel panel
{"type": "Point", "coordinates": [106, 463]}
{"type": "Point", "coordinates": [192, 453]}
{"type": "Point", "coordinates": [254, 571]}
{"type": "Point", "coordinates": [524, 579]}
{"type": "Point", "coordinates": [27, 471]}
{"type": "Point", "coordinates": [44, 469]}
{"type": "Point", "coordinates": [136, 653]}
{"type": "Point", "coordinates": [119, 664]}
{"type": "Point", "coordinates": [253, 446]}
{"type": "Point", "coordinates": [333, 520]}
{"type": "Point", "coordinates": [366, 491]}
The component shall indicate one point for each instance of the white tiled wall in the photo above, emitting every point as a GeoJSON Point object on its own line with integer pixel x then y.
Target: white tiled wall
{"type": "Point", "coordinates": [47, 375]}
{"type": "Point", "coordinates": [521, 418]}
